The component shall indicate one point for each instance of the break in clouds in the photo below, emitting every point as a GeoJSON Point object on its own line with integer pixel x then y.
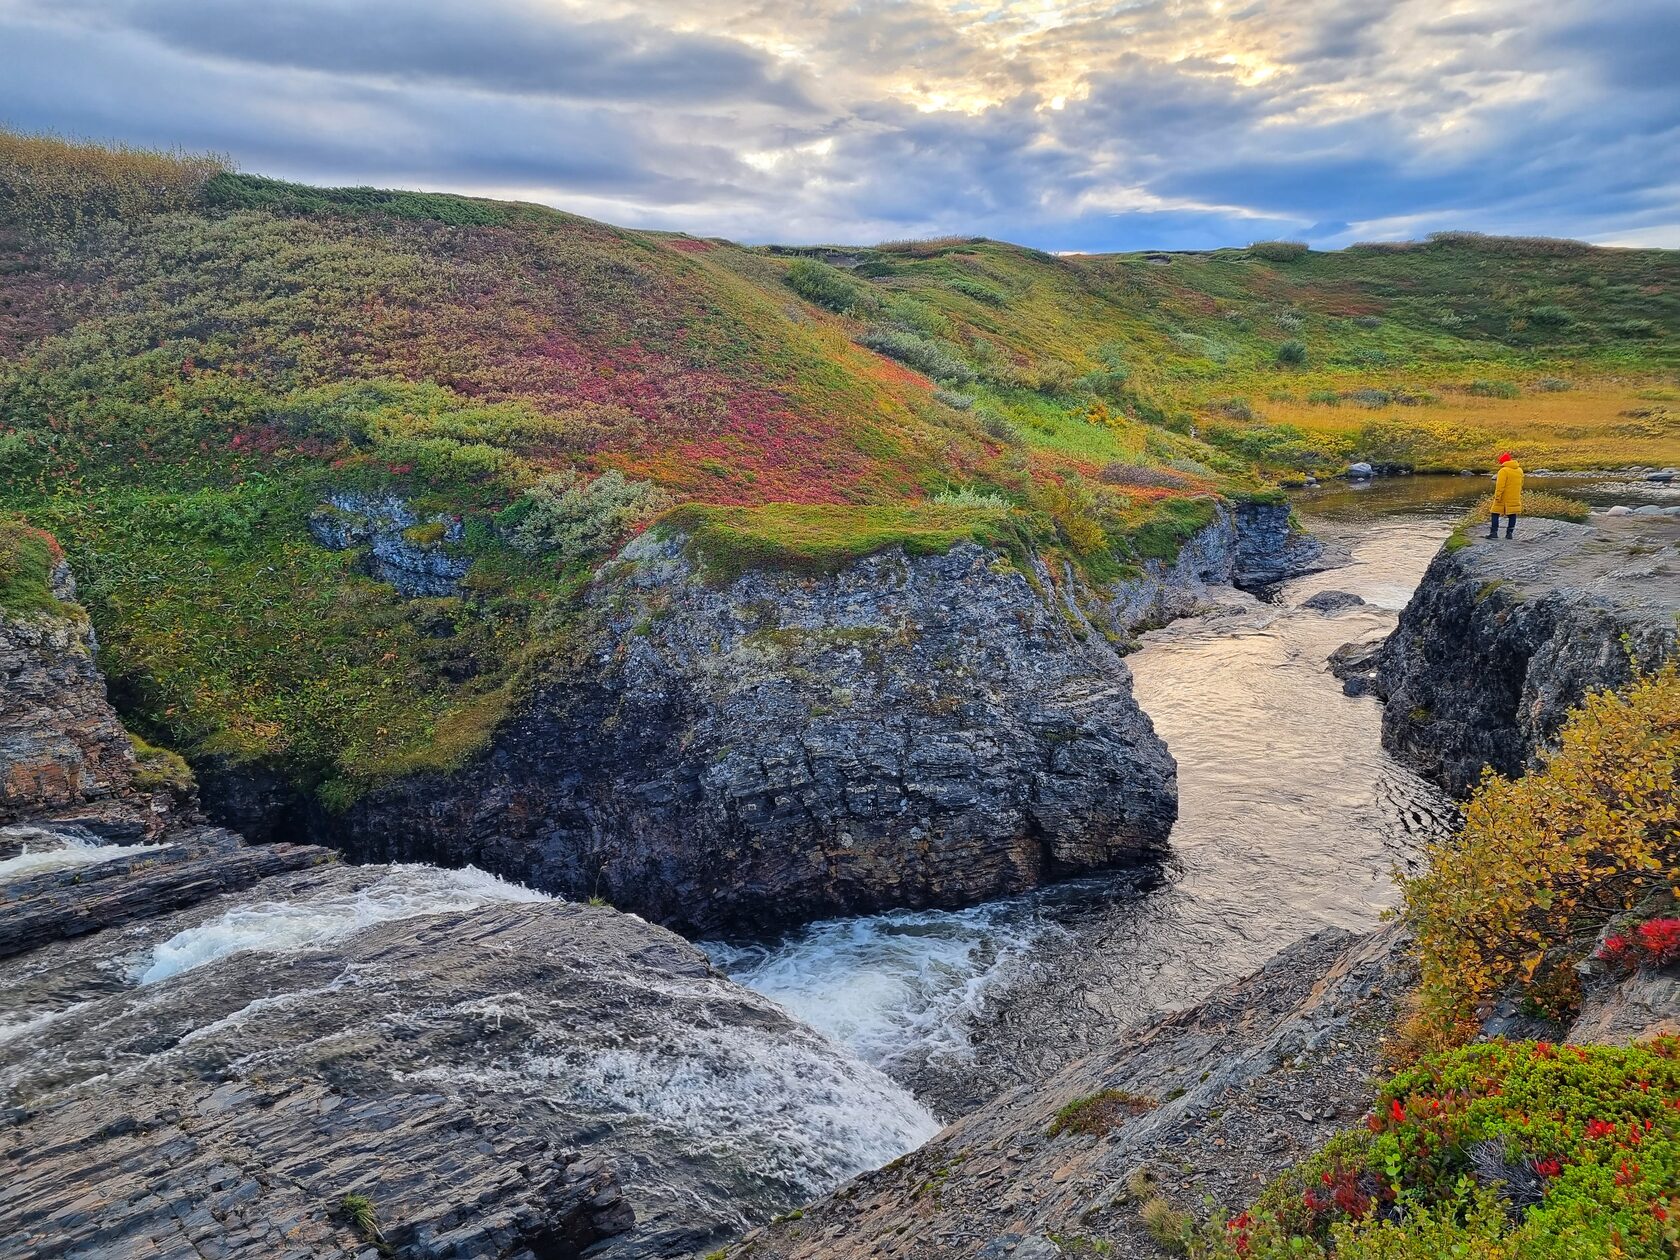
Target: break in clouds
{"type": "Point", "coordinates": [1067, 126]}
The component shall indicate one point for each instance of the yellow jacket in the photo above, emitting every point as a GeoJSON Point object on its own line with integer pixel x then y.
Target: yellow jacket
{"type": "Point", "coordinates": [1507, 488]}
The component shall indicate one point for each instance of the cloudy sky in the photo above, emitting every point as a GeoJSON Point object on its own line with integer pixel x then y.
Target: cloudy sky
{"type": "Point", "coordinates": [1071, 126]}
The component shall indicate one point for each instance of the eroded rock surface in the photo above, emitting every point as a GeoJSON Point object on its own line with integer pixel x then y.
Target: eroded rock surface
{"type": "Point", "coordinates": [1505, 636]}
{"type": "Point", "coordinates": [63, 753]}
{"type": "Point", "coordinates": [911, 731]}
{"type": "Point", "coordinates": [498, 1073]}
{"type": "Point", "coordinates": [1220, 1098]}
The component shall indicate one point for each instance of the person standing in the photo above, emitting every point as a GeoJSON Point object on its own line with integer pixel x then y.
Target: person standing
{"type": "Point", "coordinates": [1507, 495]}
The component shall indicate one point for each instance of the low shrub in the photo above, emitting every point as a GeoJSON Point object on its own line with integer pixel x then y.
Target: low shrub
{"type": "Point", "coordinates": [1492, 389]}
{"type": "Point", "coordinates": [1278, 251]}
{"type": "Point", "coordinates": [931, 358]}
{"type": "Point", "coordinates": [823, 285]}
{"type": "Point", "coordinates": [1653, 943]}
{"type": "Point", "coordinates": [1546, 858]}
{"type": "Point", "coordinates": [578, 518]}
{"type": "Point", "coordinates": [1099, 1113]}
{"type": "Point", "coordinates": [1292, 353]}
{"type": "Point", "coordinates": [1119, 474]}
{"type": "Point", "coordinates": [1552, 385]}
{"type": "Point", "coordinates": [1368, 397]}
{"type": "Point", "coordinates": [1498, 1151]}
{"type": "Point", "coordinates": [1324, 398]}
{"type": "Point", "coordinates": [1550, 315]}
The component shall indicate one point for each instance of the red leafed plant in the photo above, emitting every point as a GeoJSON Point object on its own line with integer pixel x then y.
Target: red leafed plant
{"type": "Point", "coordinates": [1654, 943]}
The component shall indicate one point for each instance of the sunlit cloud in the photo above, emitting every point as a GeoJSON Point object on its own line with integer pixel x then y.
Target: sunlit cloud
{"type": "Point", "coordinates": [1081, 125]}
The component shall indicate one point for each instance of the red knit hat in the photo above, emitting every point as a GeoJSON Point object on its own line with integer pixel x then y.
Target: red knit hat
{"type": "Point", "coordinates": [1504, 455]}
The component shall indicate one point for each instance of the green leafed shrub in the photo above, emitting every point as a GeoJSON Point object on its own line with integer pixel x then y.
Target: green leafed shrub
{"type": "Point", "coordinates": [1292, 353]}
{"type": "Point", "coordinates": [1278, 251]}
{"type": "Point", "coordinates": [580, 518]}
{"type": "Point", "coordinates": [1550, 315]}
{"type": "Point", "coordinates": [929, 357]}
{"type": "Point", "coordinates": [1492, 389]}
{"type": "Point", "coordinates": [824, 285]}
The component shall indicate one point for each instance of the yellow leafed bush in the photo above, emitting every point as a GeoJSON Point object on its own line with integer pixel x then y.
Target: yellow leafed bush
{"type": "Point", "coordinates": [1549, 856]}
{"type": "Point", "coordinates": [48, 180]}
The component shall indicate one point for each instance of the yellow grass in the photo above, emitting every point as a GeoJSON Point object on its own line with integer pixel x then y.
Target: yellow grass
{"type": "Point", "coordinates": [1600, 425]}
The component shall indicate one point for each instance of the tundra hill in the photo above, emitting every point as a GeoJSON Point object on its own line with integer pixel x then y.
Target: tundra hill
{"type": "Point", "coordinates": [194, 362]}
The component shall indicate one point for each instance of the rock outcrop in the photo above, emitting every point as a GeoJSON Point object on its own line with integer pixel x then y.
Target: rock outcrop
{"type": "Point", "coordinates": [1504, 637]}
{"type": "Point", "coordinates": [410, 553]}
{"type": "Point", "coordinates": [909, 731]}
{"type": "Point", "coordinates": [494, 1072]}
{"type": "Point", "coordinates": [1271, 546]}
{"type": "Point", "coordinates": [1213, 1101]}
{"type": "Point", "coordinates": [63, 753]}
{"type": "Point", "coordinates": [214, 1048]}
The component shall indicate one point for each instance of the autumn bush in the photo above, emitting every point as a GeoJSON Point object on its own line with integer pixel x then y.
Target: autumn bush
{"type": "Point", "coordinates": [1548, 858]}
{"type": "Point", "coordinates": [50, 181]}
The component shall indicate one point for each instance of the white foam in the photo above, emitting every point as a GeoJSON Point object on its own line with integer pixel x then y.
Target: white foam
{"type": "Point", "coordinates": [63, 850]}
{"type": "Point", "coordinates": [404, 892]}
{"type": "Point", "coordinates": [797, 1111]}
{"type": "Point", "coordinates": [891, 985]}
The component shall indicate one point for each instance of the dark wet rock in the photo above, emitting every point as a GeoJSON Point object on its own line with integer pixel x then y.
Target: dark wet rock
{"type": "Point", "coordinates": [1504, 637]}
{"type": "Point", "coordinates": [1272, 547]}
{"type": "Point", "coordinates": [1245, 1085]}
{"type": "Point", "coordinates": [1357, 665]}
{"type": "Point", "coordinates": [1333, 601]}
{"type": "Point", "coordinates": [497, 1073]}
{"type": "Point", "coordinates": [402, 549]}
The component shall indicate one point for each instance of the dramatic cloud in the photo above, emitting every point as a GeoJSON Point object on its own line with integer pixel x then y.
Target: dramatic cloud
{"type": "Point", "coordinates": [1092, 124]}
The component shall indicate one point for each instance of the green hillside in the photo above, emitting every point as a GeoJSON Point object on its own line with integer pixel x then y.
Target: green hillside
{"type": "Point", "coordinates": [192, 360]}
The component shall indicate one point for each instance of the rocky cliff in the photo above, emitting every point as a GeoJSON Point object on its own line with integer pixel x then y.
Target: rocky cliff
{"type": "Point", "coordinates": [909, 731]}
{"type": "Point", "coordinates": [63, 752]}
{"type": "Point", "coordinates": [1503, 637]}
{"type": "Point", "coordinates": [214, 1048]}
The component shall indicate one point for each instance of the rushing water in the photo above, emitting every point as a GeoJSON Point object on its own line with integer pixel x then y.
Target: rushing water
{"type": "Point", "coordinates": [1292, 818]}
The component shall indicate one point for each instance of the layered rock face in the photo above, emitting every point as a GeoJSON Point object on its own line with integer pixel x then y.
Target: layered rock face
{"type": "Point", "coordinates": [1271, 547]}
{"type": "Point", "coordinates": [63, 753]}
{"type": "Point", "coordinates": [494, 1072]}
{"type": "Point", "coordinates": [213, 1048]}
{"type": "Point", "coordinates": [1504, 637]}
{"type": "Point", "coordinates": [910, 731]}
{"type": "Point", "coordinates": [1214, 1101]}
{"type": "Point", "coordinates": [907, 732]}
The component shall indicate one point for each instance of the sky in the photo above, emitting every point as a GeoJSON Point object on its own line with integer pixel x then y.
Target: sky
{"type": "Point", "coordinates": [1081, 126]}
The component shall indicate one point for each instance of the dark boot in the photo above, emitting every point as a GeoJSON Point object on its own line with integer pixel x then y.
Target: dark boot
{"type": "Point", "coordinates": [1493, 526]}
{"type": "Point", "coordinates": [1511, 525]}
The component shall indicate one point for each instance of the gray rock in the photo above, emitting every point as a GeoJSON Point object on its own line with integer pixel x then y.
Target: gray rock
{"type": "Point", "coordinates": [1500, 642]}
{"type": "Point", "coordinates": [352, 518]}
{"type": "Point", "coordinates": [1227, 1078]}
{"type": "Point", "coordinates": [1665, 476]}
{"type": "Point", "coordinates": [1619, 510]}
{"type": "Point", "coordinates": [1360, 470]}
{"type": "Point", "coordinates": [1271, 547]}
{"type": "Point", "coordinates": [1648, 509]}
{"type": "Point", "coordinates": [1333, 601]}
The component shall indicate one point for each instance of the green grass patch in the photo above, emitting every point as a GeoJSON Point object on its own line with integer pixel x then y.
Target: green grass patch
{"type": "Point", "coordinates": [27, 557]}
{"type": "Point", "coordinates": [1100, 1113]}
{"type": "Point", "coordinates": [823, 538]}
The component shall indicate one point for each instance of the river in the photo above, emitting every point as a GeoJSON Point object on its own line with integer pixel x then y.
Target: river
{"type": "Point", "coordinates": [1292, 819]}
